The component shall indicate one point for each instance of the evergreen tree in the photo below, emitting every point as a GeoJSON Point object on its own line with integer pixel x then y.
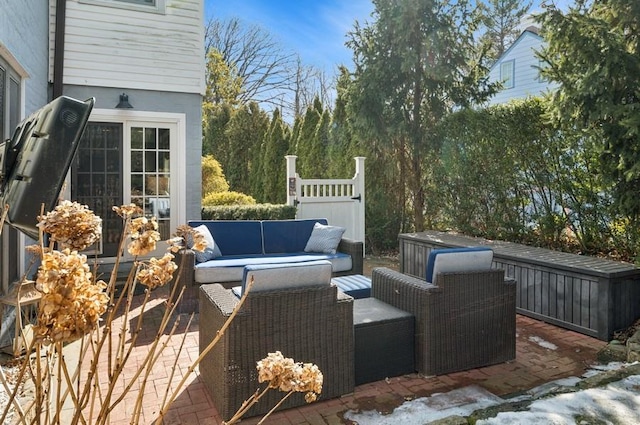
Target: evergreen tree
{"type": "Point", "coordinates": [318, 165]}
{"type": "Point", "coordinates": [245, 131]}
{"type": "Point", "coordinates": [275, 168]}
{"type": "Point", "coordinates": [593, 52]}
{"type": "Point", "coordinates": [215, 141]}
{"type": "Point", "coordinates": [502, 19]}
{"type": "Point", "coordinates": [414, 64]}
{"type": "Point", "coordinates": [305, 139]}
{"type": "Point", "coordinates": [342, 142]}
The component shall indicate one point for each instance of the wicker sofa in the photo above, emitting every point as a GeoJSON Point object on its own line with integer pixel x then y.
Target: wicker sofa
{"type": "Point", "coordinates": [252, 242]}
{"type": "Point", "coordinates": [463, 319]}
{"type": "Point", "coordinates": [291, 308]}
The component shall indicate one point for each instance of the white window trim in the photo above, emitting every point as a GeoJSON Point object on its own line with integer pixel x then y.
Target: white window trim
{"type": "Point", "coordinates": [178, 152]}
{"type": "Point", "coordinates": [159, 7]}
{"type": "Point", "coordinates": [16, 70]}
{"type": "Point", "coordinates": [512, 62]}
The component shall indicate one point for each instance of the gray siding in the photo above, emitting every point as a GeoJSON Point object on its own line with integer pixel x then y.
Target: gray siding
{"type": "Point", "coordinates": [185, 103]}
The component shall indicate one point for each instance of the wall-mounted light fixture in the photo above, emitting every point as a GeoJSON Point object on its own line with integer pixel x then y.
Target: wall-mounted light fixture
{"type": "Point", "coordinates": [124, 102]}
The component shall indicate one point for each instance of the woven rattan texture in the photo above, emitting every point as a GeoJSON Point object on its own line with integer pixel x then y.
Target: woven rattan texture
{"type": "Point", "coordinates": [462, 321]}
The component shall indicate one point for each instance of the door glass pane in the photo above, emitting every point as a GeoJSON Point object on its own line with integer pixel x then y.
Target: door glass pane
{"type": "Point", "coordinates": [163, 138]}
{"type": "Point", "coordinates": [150, 179]}
{"type": "Point", "coordinates": [14, 103]}
{"type": "Point", "coordinates": [136, 138]}
{"type": "Point", "coordinates": [96, 180]}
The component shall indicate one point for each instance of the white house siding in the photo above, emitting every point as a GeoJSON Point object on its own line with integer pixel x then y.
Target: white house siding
{"type": "Point", "coordinates": [526, 75]}
{"type": "Point", "coordinates": [108, 46]}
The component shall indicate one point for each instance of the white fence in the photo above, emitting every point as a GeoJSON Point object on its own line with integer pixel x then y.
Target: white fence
{"type": "Point", "coordinates": [340, 201]}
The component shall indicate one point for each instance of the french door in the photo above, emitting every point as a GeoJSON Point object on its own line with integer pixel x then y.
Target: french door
{"type": "Point", "coordinates": [126, 162]}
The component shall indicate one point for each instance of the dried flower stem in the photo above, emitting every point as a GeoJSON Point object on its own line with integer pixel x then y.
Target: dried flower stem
{"type": "Point", "coordinates": [175, 361]}
{"type": "Point", "coordinates": [150, 355]}
{"type": "Point", "coordinates": [246, 405]}
{"type": "Point", "coordinates": [205, 351]}
{"type": "Point", "coordinates": [274, 408]}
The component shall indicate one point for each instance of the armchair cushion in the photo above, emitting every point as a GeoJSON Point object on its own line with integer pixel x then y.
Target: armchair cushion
{"type": "Point", "coordinates": [270, 277]}
{"type": "Point", "coordinates": [458, 260]}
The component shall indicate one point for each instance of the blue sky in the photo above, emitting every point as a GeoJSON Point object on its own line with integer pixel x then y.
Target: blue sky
{"type": "Point", "coordinates": [315, 29]}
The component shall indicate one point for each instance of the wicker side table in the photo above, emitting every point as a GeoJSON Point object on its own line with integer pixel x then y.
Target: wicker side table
{"type": "Point", "coordinates": [384, 338]}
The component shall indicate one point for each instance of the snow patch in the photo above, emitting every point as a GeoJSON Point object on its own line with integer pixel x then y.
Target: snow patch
{"type": "Point", "coordinates": [462, 402]}
{"type": "Point", "coordinates": [542, 343]}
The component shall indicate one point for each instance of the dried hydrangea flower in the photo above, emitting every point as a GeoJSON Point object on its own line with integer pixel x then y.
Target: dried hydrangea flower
{"type": "Point", "coordinates": [144, 235]}
{"type": "Point", "coordinates": [72, 225]}
{"type": "Point", "coordinates": [187, 237]}
{"type": "Point", "coordinates": [156, 272]}
{"type": "Point", "coordinates": [71, 303]}
{"type": "Point", "coordinates": [128, 211]}
{"type": "Point", "coordinates": [287, 375]}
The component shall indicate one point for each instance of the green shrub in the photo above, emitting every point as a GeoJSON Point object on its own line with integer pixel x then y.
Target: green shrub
{"type": "Point", "coordinates": [213, 180]}
{"type": "Point", "coordinates": [227, 198]}
{"type": "Point", "coordinates": [249, 212]}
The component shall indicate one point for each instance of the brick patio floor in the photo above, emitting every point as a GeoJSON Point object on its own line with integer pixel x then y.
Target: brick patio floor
{"type": "Point", "coordinates": [543, 353]}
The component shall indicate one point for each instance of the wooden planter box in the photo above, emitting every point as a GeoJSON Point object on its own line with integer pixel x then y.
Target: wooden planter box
{"type": "Point", "coordinates": [593, 296]}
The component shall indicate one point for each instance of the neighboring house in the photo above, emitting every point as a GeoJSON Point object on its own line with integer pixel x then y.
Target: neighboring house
{"type": "Point", "coordinates": [143, 62]}
{"type": "Point", "coordinates": [518, 69]}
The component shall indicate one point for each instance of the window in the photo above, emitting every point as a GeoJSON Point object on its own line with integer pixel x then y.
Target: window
{"type": "Point", "coordinates": [541, 65]}
{"type": "Point", "coordinates": [9, 100]}
{"type": "Point", "coordinates": [506, 74]}
{"type": "Point", "coordinates": [145, 2]}
{"type": "Point", "coordinates": [9, 118]}
{"type": "Point", "coordinates": [154, 6]}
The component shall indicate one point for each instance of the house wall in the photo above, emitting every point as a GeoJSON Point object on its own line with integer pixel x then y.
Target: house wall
{"type": "Point", "coordinates": [526, 75]}
{"type": "Point", "coordinates": [110, 46]}
{"type": "Point", "coordinates": [153, 101]}
{"type": "Point", "coordinates": [155, 57]}
{"type": "Point", "coordinates": [24, 46]}
{"type": "Point", "coordinates": [23, 36]}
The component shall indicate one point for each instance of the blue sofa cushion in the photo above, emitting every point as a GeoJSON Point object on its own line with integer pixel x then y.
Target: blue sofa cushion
{"type": "Point", "coordinates": [235, 237]}
{"type": "Point", "coordinates": [458, 260]}
{"type": "Point", "coordinates": [287, 236]}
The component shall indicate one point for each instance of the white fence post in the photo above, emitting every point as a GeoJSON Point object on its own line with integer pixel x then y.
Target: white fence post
{"type": "Point", "coordinates": [292, 179]}
{"type": "Point", "coordinates": [359, 191]}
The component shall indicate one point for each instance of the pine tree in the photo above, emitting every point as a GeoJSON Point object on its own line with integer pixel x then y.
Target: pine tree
{"type": "Point", "coordinates": [274, 170]}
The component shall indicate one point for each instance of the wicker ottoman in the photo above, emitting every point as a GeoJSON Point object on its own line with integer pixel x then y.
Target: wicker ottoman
{"type": "Point", "coordinates": [383, 340]}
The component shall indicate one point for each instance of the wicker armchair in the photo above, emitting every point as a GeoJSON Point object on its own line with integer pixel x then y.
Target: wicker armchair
{"type": "Point", "coordinates": [310, 325]}
{"type": "Point", "coordinates": [464, 320]}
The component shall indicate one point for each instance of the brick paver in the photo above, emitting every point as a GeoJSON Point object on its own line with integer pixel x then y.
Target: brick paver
{"type": "Point", "coordinates": [543, 352]}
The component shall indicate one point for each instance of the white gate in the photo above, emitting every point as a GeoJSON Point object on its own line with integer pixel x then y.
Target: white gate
{"type": "Point", "coordinates": [340, 201]}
